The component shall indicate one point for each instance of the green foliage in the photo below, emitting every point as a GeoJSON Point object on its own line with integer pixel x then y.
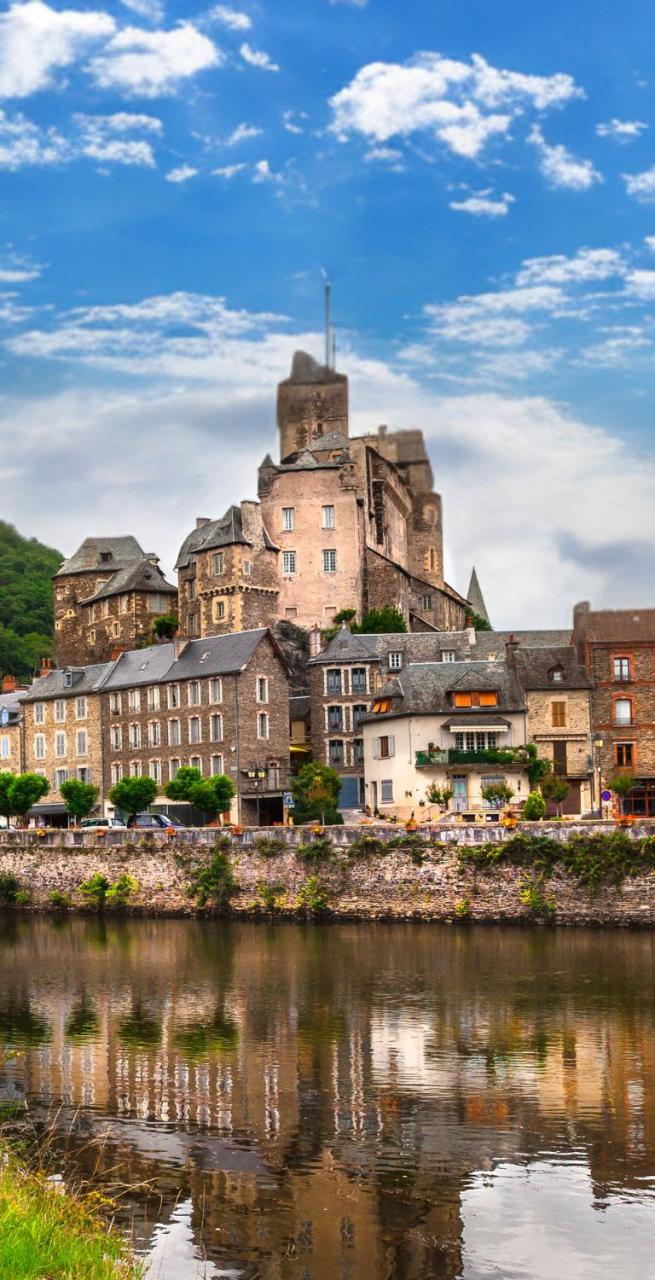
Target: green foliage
{"type": "Point", "coordinates": [555, 788]}
{"type": "Point", "coordinates": [214, 881]}
{"type": "Point", "coordinates": [26, 618]}
{"type": "Point", "coordinates": [179, 788]}
{"type": "Point", "coordinates": [197, 1039]}
{"type": "Point", "coordinates": [269, 846]}
{"type": "Point", "coordinates": [316, 850]}
{"type": "Point", "coordinates": [534, 807]}
{"type": "Point", "coordinates": [532, 897]}
{"type": "Point", "coordinates": [94, 890]}
{"type": "Point", "coordinates": [497, 794]}
{"type": "Point", "coordinates": [99, 892]}
{"type": "Point", "coordinates": [480, 623]}
{"type": "Point", "coordinates": [6, 783]}
{"type": "Point", "coordinates": [622, 783]}
{"type": "Point", "coordinates": [381, 621]}
{"type": "Point", "coordinates": [164, 626]}
{"type": "Point", "coordinates": [79, 797]}
{"type": "Point", "coordinates": [9, 887]}
{"type": "Point", "coordinates": [118, 893]}
{"type": "Point", "coordinates": [316, 789]}
{"type": "Point", "coordinates": [27, 789]}
{"type": "Point", "coordinates": [59, 900]}
{"type": "Point", "coordinates": [463, 908]}
{"type": "Point", "coordinates": [312, 896]}
{"type": "Point", "coordinates": [366, 847]}
{"type": "Point", "coordinates": [139, 1028]}
{"type": "Point", "coordinates": [344, 615]}
{"type": "Point", "coordinates": [440, 796]}
{"type": "Point", "coordinates": [132, 795]}
{"type": "Point", "coordinates": [22, 898]}
{"type": "Point", "coordinates": [593, 859]}
{"type": "Point", "coordinates": [270, 894]}
{"type": "Point", "coordinates": [82, 1022]}
{"type": "Point", "coordinates": [213, 795]}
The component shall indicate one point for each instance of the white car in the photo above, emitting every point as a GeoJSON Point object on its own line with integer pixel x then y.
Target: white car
{"type": "Point", "coordinates": [94, 824]}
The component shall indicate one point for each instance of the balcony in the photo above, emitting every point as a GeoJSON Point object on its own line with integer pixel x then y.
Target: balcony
{"type": "Point", "coordinates": [499, 756]}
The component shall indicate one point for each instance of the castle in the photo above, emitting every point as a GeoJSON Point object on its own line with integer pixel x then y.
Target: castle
{"type": "Point", "coordinates": [342, 523]}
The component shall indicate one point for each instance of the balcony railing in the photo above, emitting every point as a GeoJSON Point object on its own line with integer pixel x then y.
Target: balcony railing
{"type": "Point", "coordinates": [498, 755]}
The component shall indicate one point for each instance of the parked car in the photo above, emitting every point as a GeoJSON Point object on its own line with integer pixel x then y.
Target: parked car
{"type": "Point", "coordinates": [157, 822]}
{"type": "Point", "coordinates": [113, 824]}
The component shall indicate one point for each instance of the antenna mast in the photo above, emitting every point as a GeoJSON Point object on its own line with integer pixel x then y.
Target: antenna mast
{"type": "Point", "coordinates": [330, 343]}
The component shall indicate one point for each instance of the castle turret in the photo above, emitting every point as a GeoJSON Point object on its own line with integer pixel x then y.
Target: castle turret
{"type": "Point", "coordinates": [311, 403]}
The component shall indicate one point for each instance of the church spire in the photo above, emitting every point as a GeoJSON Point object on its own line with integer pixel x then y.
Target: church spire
{"type": "Point", "coordinates": [476, 599]}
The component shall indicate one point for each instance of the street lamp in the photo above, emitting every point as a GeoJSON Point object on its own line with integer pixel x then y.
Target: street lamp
{"type": "Point", "coordinates": [598, 747]}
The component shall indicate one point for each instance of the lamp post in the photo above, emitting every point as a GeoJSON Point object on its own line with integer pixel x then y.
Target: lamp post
{"type": "Point", "coordinates": [598, 747]}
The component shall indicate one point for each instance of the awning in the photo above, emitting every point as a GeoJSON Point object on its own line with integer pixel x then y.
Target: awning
{"type": "Point", "coordinates": [46, 810]}
{"type": "Point", "coordinates": [483, 726]}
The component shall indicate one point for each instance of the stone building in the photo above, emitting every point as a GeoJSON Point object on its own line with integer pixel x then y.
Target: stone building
{"type": "Point", "coordinates": [617, 647]}
{"type": "Point", "coordinates": [558, 691]}
{"type": "Point", "coordinates": [221, 705]}
{"type": "Point", "coordinates": [106, 597]}
{"type": "Point", "coordinates": [11, 726]}
{"type": "Point", "coordinates": [228, 574]}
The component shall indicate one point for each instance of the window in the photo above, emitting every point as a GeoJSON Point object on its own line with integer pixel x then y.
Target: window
{"type": "Point", "coordinates": [153, 699]}
{"type": "Point", "coordinates": [134, 700]}
{"type": "Point", "coordinates": [92, 636]}
{"type": "Point", "coordinates": [216, 726]}
{"type": "Point", "coordinates": [154, 769]}
{"type": "Point", "coordinates": [624, 754]}
{"type": "Point", "coordinates": [559, 759]}
{"type": "Point", "coordinates": [115, 703]}
{"type": "Point", "coordinates": [475, 741]}
{"type": "Point", "coordinates": [217, 564]}
{"type": "Point", "coordinates": [60, 711]}
{"type": "Point", "coordinates": [358, 680]}
{"type": "Point", "coordinates": [557, 675]}
{"type": "Point", "coordinates": [61, 776]}
{"type": "Point", "coordinates": [39, 746]}
{"type": "Point", "coordinates": [174, 768]}
{"type": "Point", "coordinates": [5, 748]}
{"type": "Point", "coordinates": [447, 655]}
{"type": "Point", "coordinates": [123, 603]}
{"type": "Point", "coordinates": [386, 747]}
{"type": "Point", "coordinates": [116, 630]}
{"type": "Point", "coordinates": [116, 774]}
{"type": "Point", "coordinates": [262, 725]}
{"type": "Point", "coordinates": [216, 690]}
{"type": "Point", "coordinates": [219, 610]}
{"type": "Point", "coordinates": [622, 669]}
{"type": "Point", "coordinates": [173, 697]}
{"type": "Point", "coordinates": [489, 699]}
{"type": "Point", "coordinates": [288, 519]}
{"type": "Point", "coordinates": [154, 734]}
{"type": "Point", "coordinates": [246, 568]}
{"type": "Point", "coordinates": [80, 709]}
{"type": "Point", "coordinates": [395, 661]}
{"type": "Point", "coordinates": [333, 680]}
{"type": "Point", "coordinates": [135, 768]}
{"type": "Point", "coordinates": [329, 562]}
{"type": "Point", "coordinates": [39, 713]}
{"type": "Point", "coordinates": [194, 693]}
{"type": "Point", "coordinates": [196, 763]}
{"type": "Point", "coordinates": [475, 699]}
{"type": "Point", "coordinates": [426, 602]}
{"type": "Point", "coordinates": [558, 710]}
{"type": "Point", "coordinates": [192, 624]}
{"type": "Point", "coordinates": [328, 518]}
{"type": "Point", "coordinates": [288, 562]}
{"type": "Point", "coordinates": [335, 751]}
{"type": "Point", "coordinates": [173, 733]}
{"type": "Point", "coordinates": [116, 737]}
{"type": "Point", "coordinates": [358, 750]}
{"type": "Point", "coordinates": [191, 589]}
{"type": "Point", "coordinates": [60, 744]}
{"type": "Point", "coordinates": [386, 791]}
{"type": "Point", "coordinates": [104, 609]}
{"type": "Point", "coordinates": [262, 689]}
{"type": "Point", "coordinates": [359, 711]}
{"type": "Point", "coordinates": [194, 729]}
{"type": "Point", "coordinates": [623, 711]}
{"type": "Point", "coordinates": [335, 719]}
{"type": "Point", "coordinates": [81, 742]}
{"type": "Point", "coordinates": [135, 735]}
{"type": "Point", "coordinates": [216, 765]}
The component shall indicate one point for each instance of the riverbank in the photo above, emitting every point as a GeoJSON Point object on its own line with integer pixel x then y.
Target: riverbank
{"type": "Point", "coordinates": [46, 1232]}
{"type": "Point", "coordinates": [582, 874]}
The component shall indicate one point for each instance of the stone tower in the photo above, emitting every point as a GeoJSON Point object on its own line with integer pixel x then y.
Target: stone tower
{"type": "Point", "coordinates": [311, 404]}
{"type": "Point", "coordinates": [228, 574]}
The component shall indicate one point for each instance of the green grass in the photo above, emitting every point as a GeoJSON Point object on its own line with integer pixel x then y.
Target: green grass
{"type": "Point", "coordinates": [48, 1235]}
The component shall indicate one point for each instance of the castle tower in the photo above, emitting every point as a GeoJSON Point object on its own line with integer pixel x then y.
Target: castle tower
{"type": "Point", "coordinates": [228, 574]}
{"type": "Point", "coordinates": [311, 404]}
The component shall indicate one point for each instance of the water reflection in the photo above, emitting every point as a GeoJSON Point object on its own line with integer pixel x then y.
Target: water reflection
{"type": "Point", "coordinates": [349, 1101]}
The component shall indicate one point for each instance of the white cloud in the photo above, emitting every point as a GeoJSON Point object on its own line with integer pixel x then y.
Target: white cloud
{"type": "Point", "coordinates": [484, 204]}
{"type": "Point", "coordinates": [151, 63]}
{"type": "Point", "coordinates": [650, 242]}
{"type": "Point", "coordinates": [36, 41]}
{"type": "Point", "coordinates": [618, 350]}
{"type": "Point", "coordinates": [461, 104]}
{"type": "Point", "coordinates": [242, 133]}
{"type": "Point", "coordinates": [105, 138]}
{"type": "Point", "coordinates": [562, 169]}
{"type": "Point", "coordinates": [641, 185]}
{"type": "Point", "coordinates": [257, 58]}
{"type": "Point", "coordinates": [641, 284]}
{"type": "Point", "coordinates": [229, 170]}
{"type": "Point", "coordinates": [492, 319]}
{"type": "Point", "coordinates": [585, 265]}
{"type": "Point", "coordinates": [621, 130]}
{"type": "Point", "coordinates": [354, 4]}
{"type": "Point", "coordinates": [24, 144]}
{"type": "Point", "coordinates": [233, 19]}
{"type": "Point", "coordinates": [18, 268]}
{"type": "Point", "coordinates": [388, 156]}
{"type": "Point", "coordinates": [262, 172]}
{"type": "Point", "coordinates": [151, 10]}
{"type": "Point", "coordinates": [182, 174]}
{"type": "Point", "coordinates": [290, 121]}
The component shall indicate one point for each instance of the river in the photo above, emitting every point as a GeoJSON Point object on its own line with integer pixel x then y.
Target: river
{"type": "Point", "coordinates": [345, 1102]}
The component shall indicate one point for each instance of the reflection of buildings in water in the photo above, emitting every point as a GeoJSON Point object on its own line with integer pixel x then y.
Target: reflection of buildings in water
{"type": "Point", "coordinates": [313, 1104]}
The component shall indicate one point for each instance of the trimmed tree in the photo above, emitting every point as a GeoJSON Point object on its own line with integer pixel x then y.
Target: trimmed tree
{"type": "Point", "coordinates": [132, 795]}
{"type": "Point", "coordinates": [622, 783]}
{"type": "Point", "coordinates": [534, 808]}
{"type": "Point", "coordinates": [26, 790]}
{"type": "Point", "coordinates": [316, 789]}
{"type": "Point", "coordinates": [441, 796]}
{"type": "Point", "coordinates": [164, 626]}
{"type": "Point", "coordinates": [6, 782]}
{"type": "Point", "coordinates": [497, 794]}
{"type": "Point", "coordinates": [213, 795]}
{"type": "Point", "coordinates": [181, 786]}
{"type": "Point", "coordinates": [556, 789]}
{"type": "Point", "coordinates": [79, 797]}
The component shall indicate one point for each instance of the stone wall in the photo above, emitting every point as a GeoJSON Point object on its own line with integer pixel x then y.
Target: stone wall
{"type": "Point", "coordinates": [429, 885]}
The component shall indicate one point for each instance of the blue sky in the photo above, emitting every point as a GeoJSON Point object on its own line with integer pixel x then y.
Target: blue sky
{"type": "Point", "coordinates": [478, 180]}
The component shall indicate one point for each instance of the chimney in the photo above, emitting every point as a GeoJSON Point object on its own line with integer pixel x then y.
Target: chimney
{"type": "Point", "coordinates": [180, 644]}
{"type": "Point", "coordinates": [45, 667]}
{"type": "Point", "coordinates": [511, 646]}
{"type": "Point", "coordinates": [9, 684]}
{"type": "Point", "coordinates": [202, 520]}
{"type": "Point", "coordinates": [315, 641]}
{"type": "Point", "coordinates": [116, 651]}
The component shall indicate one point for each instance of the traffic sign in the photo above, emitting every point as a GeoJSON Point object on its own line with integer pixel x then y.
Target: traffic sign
{"type": "Point", "coordinates": [606, 795]}
{"type": "Point", "coordinates": [289, 801]}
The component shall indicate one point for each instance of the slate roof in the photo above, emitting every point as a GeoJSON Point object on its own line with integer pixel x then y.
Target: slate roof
{"type": "Point", "coordinates": [123, 551]}
{"type": "Point", "coordinates": [12, 703]}
{"type": "Point", "coordinates": [535, 667]}
{"type": "Point", "coordinates": [226, 532]}
{"type": "Point", "coordinates": [53, 685]}
{"type": "Point", "coordinates": [425, 688]}
{"type": "Point", "coordinates": [224, 655]}
{"type": "Point", "coordinates": [420, 646]}
{"type": "Point", "coordinates": [490, 644]}
{"type": "Point", "coordinates": [143, 576]}
{"type": "Point", "coordinates": [618, 626]}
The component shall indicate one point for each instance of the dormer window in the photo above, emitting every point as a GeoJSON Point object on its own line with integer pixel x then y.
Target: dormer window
{"type": "Point", "coordinates": [68, 679]}
{"type": "Point", "coordinates": [105, 557]}
{"type": "Point", "coordinates": [557, 674]}
{"type": "Point", "coordinates": [487, 699]}
{"type": "Point", "coordinates": [395, 661]}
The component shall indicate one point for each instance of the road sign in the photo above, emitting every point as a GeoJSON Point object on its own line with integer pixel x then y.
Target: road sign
{"type": "Point", "coordinates": [288, 800]}
{"type": "Point", "coordinates": [4, 716]}
{"type": "Point", "coordinates": [606, 795]}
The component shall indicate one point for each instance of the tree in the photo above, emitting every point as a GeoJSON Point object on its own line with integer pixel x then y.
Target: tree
{"type": "Point", "coordinates": [497, 794]}
{"type": "Point", "coordinates": [480, 623]}
{"type": "Point", "coordinates": [622, 783]}
{"type": "Point", "coordinates": [213, 795]}
{"type": "Point", "coordinates": [26, 790]}
{"type": "Point", "coordinates": [26, 620]}
{"type": "Point", "coordinates": [534, 807]}
{"type": "Point", "coordinates": [556, 789]}
{"type": "Point", "coordinates": [180, 787]}
{"type": "Point", "coordinates": [79, 797]}
{"type": "Point", "coordinates": [132, 795]}
{"type": "Point", "coordinates": [440, 796]}
{"type": "Point", "coordinates": [316, 790]}
{"type": "Point", "coordinates": [6, 782]}
{"type": "Point", "coordinates": [381, 621]}
{"type": "Point", "coordinates": [164, 626]}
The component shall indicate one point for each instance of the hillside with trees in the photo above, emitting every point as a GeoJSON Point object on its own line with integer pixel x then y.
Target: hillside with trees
{"type": "Point", "coordinates": [26, 621]}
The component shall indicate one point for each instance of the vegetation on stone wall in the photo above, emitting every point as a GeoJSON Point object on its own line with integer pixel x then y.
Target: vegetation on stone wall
{"type": "Point", "coordinates": [593, 859]}
{"type": "Point", "coordinates": [26, 617]}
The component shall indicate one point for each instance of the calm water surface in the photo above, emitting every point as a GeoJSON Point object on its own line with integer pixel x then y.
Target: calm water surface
{"type": "Point", "coordinates": [347, 1101]}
